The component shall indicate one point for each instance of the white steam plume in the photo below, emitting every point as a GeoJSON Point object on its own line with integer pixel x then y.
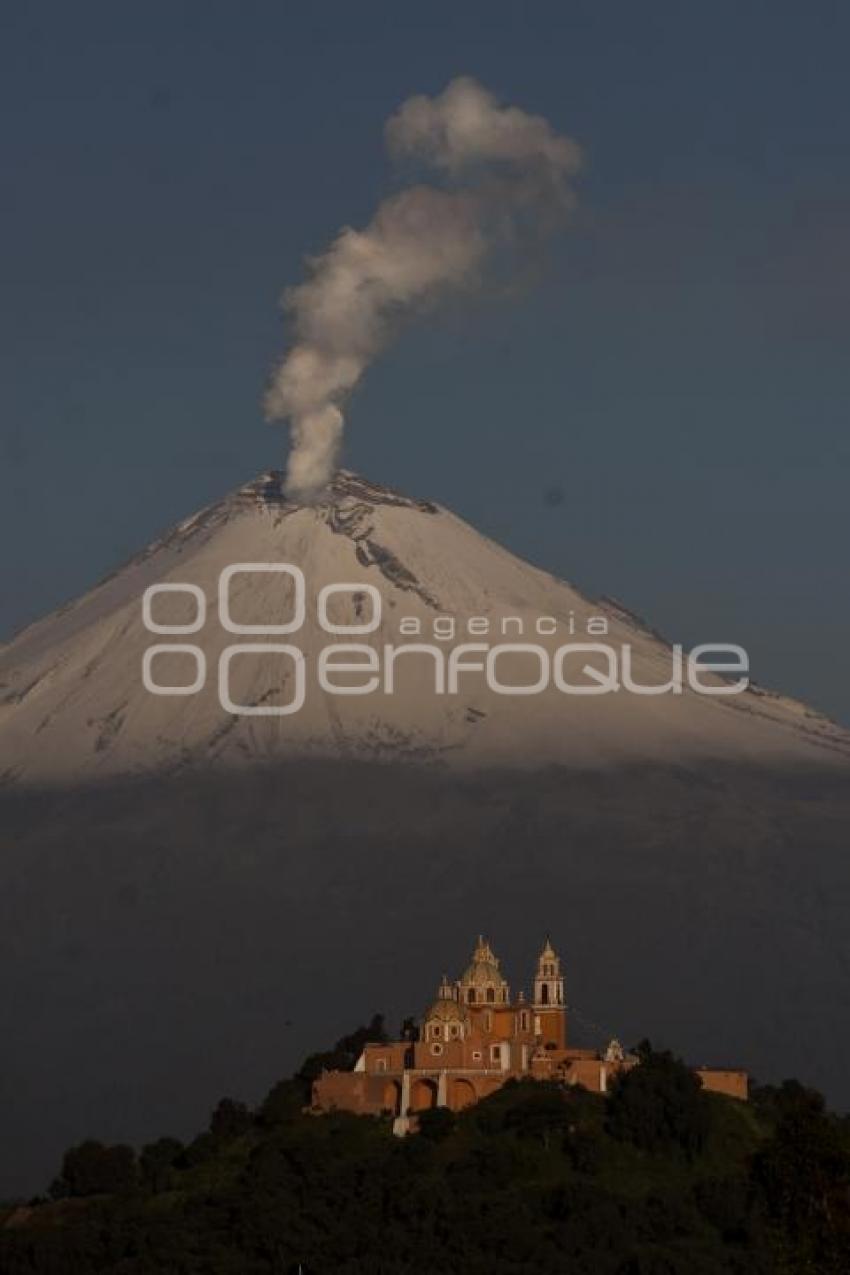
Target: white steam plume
{"type": "Point", "coordinates": [505, 173]}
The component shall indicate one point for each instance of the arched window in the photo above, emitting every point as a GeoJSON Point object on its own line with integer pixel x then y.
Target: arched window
{"type": "Point", "coordinates": [491, 994]}
{"type": "Point", "coordinates": [470, 995]}
{"type": "Point", "coordinates": [544, 994]}
{"type": "Point", "coordinates": [436, 1031]}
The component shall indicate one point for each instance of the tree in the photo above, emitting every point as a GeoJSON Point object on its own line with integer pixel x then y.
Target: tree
{"type": "Point", "coordinates": [436, 1123]}
{"type": "Point", "coordinates": [199, 1151]}
{"type": "Point", "coordinates": [157, 1162]}
{"type": "Point", "coordinates": [282, 1104]}
{"type": "Point", "coordinates": [344, 1054]}
{"type": "Point", "coordinates": [90, 1168]}
{"type": "Point", "coordinates": [373, 1033]}
{"type": "Point", "coordinates": [803, 1175]}
{"type": "Point", "coordinates": [541, 1114]}
{"type": "Point", "coordinates": [659, 1105]}
{"type": "Point", "coordinates": [230, 1119]}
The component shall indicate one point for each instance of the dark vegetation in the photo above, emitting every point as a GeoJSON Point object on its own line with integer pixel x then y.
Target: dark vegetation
{"type": "Point", "coordinates": [661, 1178]}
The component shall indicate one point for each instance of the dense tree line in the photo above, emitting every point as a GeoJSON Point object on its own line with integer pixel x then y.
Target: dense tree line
{"type": "Point", "coordinates": [661, 1178]}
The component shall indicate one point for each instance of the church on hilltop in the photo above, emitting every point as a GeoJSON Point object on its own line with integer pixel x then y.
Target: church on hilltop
{"type": "Point", "coordinates": [473, 1038]}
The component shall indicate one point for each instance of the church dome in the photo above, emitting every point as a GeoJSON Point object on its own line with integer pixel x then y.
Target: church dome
{"type": "Point", "coordinates": [483, 970]}
{"type": "Point", "coordinates": [480, 972]}
{"type": "Point", "coordinates": [445, 1010]}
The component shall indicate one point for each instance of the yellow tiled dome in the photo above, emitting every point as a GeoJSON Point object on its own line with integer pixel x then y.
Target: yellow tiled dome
{"type": "Point", "coordinates": [484, 969]}
{"type": "Point", "coordinates": [446, 1010]}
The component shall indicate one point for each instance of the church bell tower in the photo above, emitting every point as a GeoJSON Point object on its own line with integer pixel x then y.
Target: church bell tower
{"type": "Point", "coordinates": [550, 1014]}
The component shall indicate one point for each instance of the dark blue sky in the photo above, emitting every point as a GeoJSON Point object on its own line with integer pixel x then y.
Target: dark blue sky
{"type": "Point", "coordinates": [679, 380]}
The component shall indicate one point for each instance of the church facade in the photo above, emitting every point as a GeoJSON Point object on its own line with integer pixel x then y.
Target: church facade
{"type": "Point", "coordinates": [475, 1037]}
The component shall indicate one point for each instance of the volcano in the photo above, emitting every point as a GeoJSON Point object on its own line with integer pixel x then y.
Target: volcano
{"type": "Point", "coordinates": [74, 707]}
{"type": "Point", "coordinates": [193, 899]}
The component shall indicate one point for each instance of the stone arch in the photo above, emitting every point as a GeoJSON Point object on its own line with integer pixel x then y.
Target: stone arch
{"type": "Point", "coordinates": [423, 1095]}
{"type": "Point", "coordinates": [463, 1094]}
{"type": "Point", "coordinates": [392, 1097]}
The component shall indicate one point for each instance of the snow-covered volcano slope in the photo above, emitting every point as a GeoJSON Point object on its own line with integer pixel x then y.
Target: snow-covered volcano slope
{"type": "Point", "coordinates": [73, 705]}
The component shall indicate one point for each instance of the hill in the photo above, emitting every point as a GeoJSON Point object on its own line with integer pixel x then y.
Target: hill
{"type": "Point", "coordinates": [661, 1177]}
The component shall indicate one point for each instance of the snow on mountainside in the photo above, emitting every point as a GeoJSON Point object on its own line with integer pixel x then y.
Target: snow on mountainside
{"type": "Point", "coordinates": [73, 705]}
